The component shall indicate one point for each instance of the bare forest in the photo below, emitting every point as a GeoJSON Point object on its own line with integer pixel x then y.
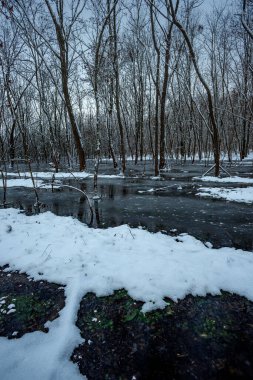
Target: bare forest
{"type": "Point", "coordinates": [125, 79]}
{"type": "Point", "coordinates": [126, 189]}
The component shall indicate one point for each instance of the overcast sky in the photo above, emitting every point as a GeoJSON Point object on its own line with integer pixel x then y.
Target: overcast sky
{"type": "Point", "coordinates": [208, 4]}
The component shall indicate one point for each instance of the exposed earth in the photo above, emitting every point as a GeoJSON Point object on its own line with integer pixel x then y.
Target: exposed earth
{"type": "Point", "coordinates": [33, 303]}
{"type": "Point", "coordinates": [196, 338]}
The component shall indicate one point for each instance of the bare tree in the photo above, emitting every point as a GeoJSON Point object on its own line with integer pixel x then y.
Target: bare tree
{"type": "Point", "coordinates": [214, 127]}
{"type": "Point", "coordinates": [246, 6]}
{"type": "Point", "coordinates": [62, 38]}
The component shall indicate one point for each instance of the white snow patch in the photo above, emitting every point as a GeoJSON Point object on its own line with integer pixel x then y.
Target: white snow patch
{"type": "Point", "coordinates": [249, 156]}
{"type": "Point", "coordinates": [21, 182]}
{"type": "Point", "coordinates": [224, 180]}
{"type": "Point", "coordinates": [111, 176]}
{"type": "Point", "coordinates": [27, 182]}
{"type": "Point", "coordinates": [11, 311]}
{"type": "Point", "coordinates": [60, 175]}
{"type": "Point", "coordinates": [37, 355]}
{"type": "Point", "coordinates": [149, 266]}
{"type": "Point", "coordinates": [244, 195]}
{"type": "Point", "coordinates": [49, 175]}
{"type": "Point", "coordinates": [146, 191]}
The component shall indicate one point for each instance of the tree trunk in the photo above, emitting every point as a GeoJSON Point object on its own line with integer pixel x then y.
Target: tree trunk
{"type": "Point", "coordinates": [214, 127]}
{"type": "Point", "coordinates": [60, 34]}
{"type": "Point", "coordinates": [117, 95]}
{"type": "Point", "coordinates": [157, 82]}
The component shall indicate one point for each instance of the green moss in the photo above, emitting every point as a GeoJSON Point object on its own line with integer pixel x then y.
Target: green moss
{"type": "Point", "coordinates": [28, 307]}
{"type": "Point", "coordinates": [118, 308]}
{"type": "Point", "coordinates": [208, 328]}
{"type": "Point", "coordinates": [118, 295]}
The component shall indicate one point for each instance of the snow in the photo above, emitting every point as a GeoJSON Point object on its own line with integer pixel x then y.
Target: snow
{"type": "Point", "coordinates": [224, 157]}
{"type": "Point", "coordinates": [146, 191]}
{"type": "Point", "coordinates": [249, 156]}
{"type": "Point", "coordinates": [37, 355]}
{"type": "Point", "coordinates": [22, 182]}
{"type": "Point", "coordinates": [49, 175]}
{"type": "Point", "coordinates": [149, 266]}
{"type": "Point", "coordinates": [11, 311]}
{"type": "Point", "coordinates": [236, 194]}
{"type": "Point", "coordinates": [111, 176]}
{"type": "Point", "coordinates": [62, 175]}
{"type": "Point", "coordinates": [224, 180]}
{"type": "Point", "coordinates": [25, 180]}
{"type": "Point", "coordinates": [159, 189]}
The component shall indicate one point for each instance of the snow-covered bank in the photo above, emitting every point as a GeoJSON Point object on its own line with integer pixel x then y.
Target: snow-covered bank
{"type": "Point", "coordinates": [244, 195]}
{"type": "Point", "coordinates": [149, 266]}
{"type": "Point", "coordinates": [224, 180]}
{"type": "Point", "coordinates": [49, 175]}
{"type": "Point", "coordinates": [22, 182]}
{"type": "Point", "coordinates": [61, 175]}
{"type": "Point", "coordinates": [25, 180]}
{"type": "Point", "coordinates": [38, 355]}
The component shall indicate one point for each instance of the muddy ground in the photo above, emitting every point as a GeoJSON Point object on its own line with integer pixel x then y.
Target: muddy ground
{"type": "Point", "coordinates": [26, 305]}
{"type": "Point", "coordinates": [197, 338]}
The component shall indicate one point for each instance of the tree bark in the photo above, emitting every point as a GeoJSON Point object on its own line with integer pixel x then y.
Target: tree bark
{"type": "Point", "coordinates": [157, 82]}
{"type": "Point", "coordinates": [214, 127]}
{"type": "Point", "coordinates": [117, 95]}
{"type": "Point", "coordinates": [64, 78]}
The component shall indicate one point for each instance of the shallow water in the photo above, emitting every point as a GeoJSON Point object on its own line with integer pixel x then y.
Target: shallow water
{"type": "Point", "coordinates": [173, 209]}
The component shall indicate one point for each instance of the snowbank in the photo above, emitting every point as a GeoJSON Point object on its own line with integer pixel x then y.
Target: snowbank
{"type": "Point", "coordinates": [149, 266]}
{"type": "Point", "coordinates": [22, 182]}
{"type": "Point", "coordinates": [237, 194]}
{"type": "Point", "coordinates": [224, 180]}
{"type": "Point", "coordinates": [61, 175]}
{"type": "Point", "coordinates": [49, 175]}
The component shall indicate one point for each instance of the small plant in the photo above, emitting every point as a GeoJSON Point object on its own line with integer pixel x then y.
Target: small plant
{"type": "Point", "coordinates": [208, 328]}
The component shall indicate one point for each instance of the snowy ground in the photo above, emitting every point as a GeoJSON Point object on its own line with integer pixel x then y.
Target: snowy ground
{"type": "Point", "coordinates": [236, 194]}
{"type": "Point", "coordinates": [27, 182]}
{"type": "Point", "coordinates": [49, 175]}
{"type": "Point", "coordinates": [24, 179]}
{"type": "Point", "coordinates": [149, 266]}
{"type": "Point", "coordinates": [234, 179]}
{"type": "Point", "coordinates": [60, 175]}
{"type": "Point", "coordinates": [244, 195]}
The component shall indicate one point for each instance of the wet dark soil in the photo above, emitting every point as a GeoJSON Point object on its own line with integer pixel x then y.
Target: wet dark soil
{"type": "Point", "coordinates": [26, 305]}
{"type": "Point", "coordinates": [197, 338]}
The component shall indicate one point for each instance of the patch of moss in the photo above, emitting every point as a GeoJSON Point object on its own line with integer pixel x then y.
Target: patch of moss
{"type": "Point", "coordinates": [30, 312]}
{"type": "Point", "coordinates": [164, 343]}
{"type": "Point", "coordinates": [29, 307]}
{"type": "Point", "coordinates": [208, 328]}
{"type": "Point", "coordinates": [108, 312]}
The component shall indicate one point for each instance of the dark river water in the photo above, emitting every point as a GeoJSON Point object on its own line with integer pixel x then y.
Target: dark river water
{"type": "Point", "coordinates": [173, 209]}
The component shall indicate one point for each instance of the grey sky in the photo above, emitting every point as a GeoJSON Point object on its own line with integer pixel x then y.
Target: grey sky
{"type": "Point", "coordinates": [208, 4]}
